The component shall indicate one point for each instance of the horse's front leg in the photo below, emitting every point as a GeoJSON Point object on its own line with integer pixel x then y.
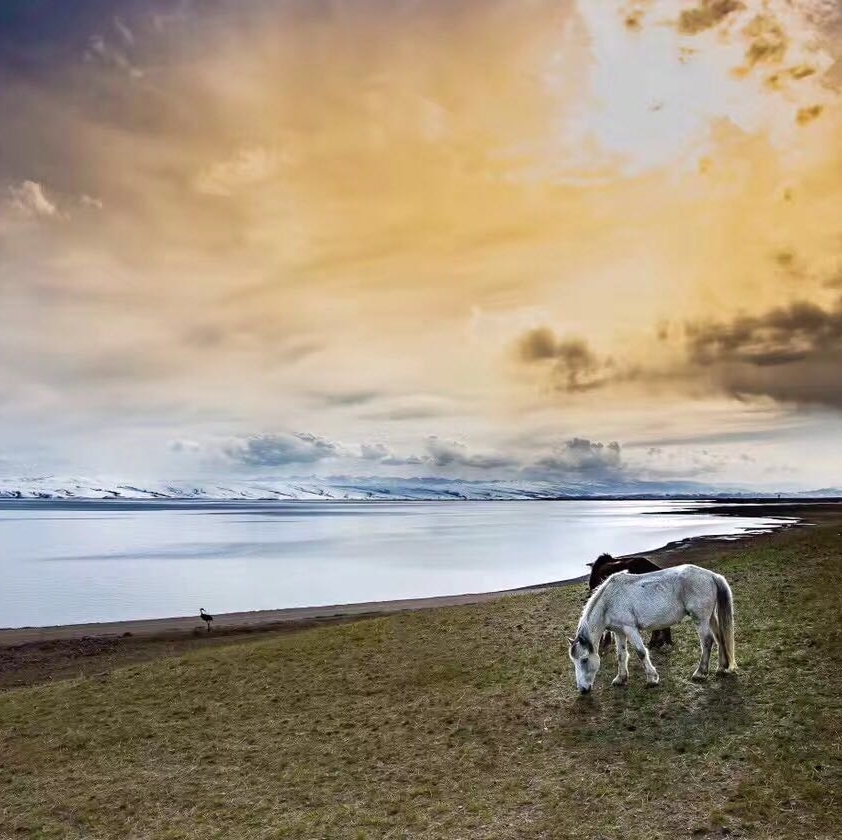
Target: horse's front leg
{"type": "Point", "coordinates": [633, 635]}
{"type": "Point", "coordinates": [706, 640]}
{"type": "Point", "coordinates": [622, 677]}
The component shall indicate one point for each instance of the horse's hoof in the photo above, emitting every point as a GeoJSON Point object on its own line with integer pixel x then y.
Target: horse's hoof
{"type": "Point", "coordinates": [698, 676]}
{"type": "Point", "coordinates": [618, 683]}
{"type": "Point", "coordinates": [652, 683]}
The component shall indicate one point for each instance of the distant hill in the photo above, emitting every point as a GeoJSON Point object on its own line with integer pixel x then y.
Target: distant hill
{"type": "Point", "coordinates": [371, 487]}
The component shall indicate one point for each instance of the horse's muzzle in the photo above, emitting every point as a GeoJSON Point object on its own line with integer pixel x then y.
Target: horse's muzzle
{"type": "Point", "coordinates": [585, 690]}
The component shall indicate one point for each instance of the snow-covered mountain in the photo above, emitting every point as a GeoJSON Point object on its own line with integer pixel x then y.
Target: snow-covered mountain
{"type": "Point", "coordinates": [360, 488]}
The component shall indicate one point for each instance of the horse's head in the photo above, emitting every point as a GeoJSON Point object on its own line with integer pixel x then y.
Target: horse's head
{"type": "Point", "coordinates": [598, 570]}
{"type": "Point", "coordinates": [585, 661]}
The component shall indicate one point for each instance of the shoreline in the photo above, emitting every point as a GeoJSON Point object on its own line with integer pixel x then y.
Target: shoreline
{"type": "Point", "coordinates": [290, 618]}
{"type": "Point", "coordinates": [30, 656]}
{"type": "Point", "coordinates": [249, 620]}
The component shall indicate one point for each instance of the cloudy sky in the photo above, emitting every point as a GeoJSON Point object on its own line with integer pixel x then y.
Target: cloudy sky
{"type": "Point", "coordinates": [483, 239]}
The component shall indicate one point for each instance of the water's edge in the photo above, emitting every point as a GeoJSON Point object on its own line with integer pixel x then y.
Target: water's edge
{"type": "Point", "coordinates": [671, 553]}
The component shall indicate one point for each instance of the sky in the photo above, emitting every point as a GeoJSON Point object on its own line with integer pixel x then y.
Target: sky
{"type": "Point", "coordinates": [499, 239]}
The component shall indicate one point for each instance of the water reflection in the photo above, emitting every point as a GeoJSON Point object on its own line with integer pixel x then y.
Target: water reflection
{"type": "Point", "coordinates": [74, 561]}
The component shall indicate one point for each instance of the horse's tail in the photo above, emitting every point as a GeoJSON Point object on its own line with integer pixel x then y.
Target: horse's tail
{"type": "Point", "coordinates": [724, 618]}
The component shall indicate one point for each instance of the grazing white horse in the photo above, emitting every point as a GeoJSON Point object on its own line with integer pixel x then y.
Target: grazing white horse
{"type": "Point", "coordinates": [628, 604]}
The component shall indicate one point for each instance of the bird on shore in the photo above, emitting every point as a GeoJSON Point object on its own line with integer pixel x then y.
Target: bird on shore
{"type": "Point", "coordinates": [206, 617]}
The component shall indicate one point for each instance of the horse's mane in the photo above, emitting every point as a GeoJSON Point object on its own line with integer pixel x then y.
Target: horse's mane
{"type": "Point", "coordinates": [591, 603]}
{"type": "Point", "coordinates": [602, 560]}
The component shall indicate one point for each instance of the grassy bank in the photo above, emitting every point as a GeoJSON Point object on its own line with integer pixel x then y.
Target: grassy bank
{"type": "Point", "coordinates": [454, 723]}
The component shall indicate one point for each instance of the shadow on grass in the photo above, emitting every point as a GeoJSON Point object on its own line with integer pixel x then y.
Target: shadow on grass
{"type": "Point", "coordinates": [678, 715]}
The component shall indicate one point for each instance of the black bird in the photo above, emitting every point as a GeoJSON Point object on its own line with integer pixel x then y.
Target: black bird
{"type": "Point", "coordinates": [206, 617]}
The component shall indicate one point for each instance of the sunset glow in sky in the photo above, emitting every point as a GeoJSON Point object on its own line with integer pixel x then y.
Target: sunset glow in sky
{"type": "Point", "coordinates": [507, 238]}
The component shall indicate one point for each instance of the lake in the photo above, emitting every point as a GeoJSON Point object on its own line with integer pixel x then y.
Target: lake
{"type": "Point", "coordinates": [74, 561]}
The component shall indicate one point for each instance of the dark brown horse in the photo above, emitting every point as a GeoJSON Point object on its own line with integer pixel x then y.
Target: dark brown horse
{"type": "Point", "coordinates": [604, 566]}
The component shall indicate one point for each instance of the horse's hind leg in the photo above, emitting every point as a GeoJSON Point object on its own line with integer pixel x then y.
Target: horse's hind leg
{"type": "Point", "coordinates": [706, 639]}
{"type": "Point", "coordinates": [604, 643]}
{"type": "Point", "coordinates": [622, 660]}
{"type": "Point", "coordinates": [633, 635]}
{"type": "Point", "coordinates": [720, 645]}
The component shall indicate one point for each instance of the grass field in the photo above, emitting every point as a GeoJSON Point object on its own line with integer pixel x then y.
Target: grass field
{"type": "Point", "coordinates": [456, 723]}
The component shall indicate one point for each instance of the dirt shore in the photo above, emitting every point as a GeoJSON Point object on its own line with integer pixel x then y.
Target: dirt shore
{"type": "Point", "coordinates": [39, 654]}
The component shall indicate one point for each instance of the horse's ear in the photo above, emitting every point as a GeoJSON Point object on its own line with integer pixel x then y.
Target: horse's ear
{"type": "Point", "coordinates": [571, 639]}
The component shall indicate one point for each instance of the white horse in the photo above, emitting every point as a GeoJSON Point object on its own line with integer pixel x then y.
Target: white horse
{"type": "Point", "coordinates": [628, 604]}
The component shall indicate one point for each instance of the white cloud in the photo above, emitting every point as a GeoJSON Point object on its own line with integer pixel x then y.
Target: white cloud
{"type": "Point", "coordinates": [31, 201]}
{"type": "Point", "coordinates": [664, 107]}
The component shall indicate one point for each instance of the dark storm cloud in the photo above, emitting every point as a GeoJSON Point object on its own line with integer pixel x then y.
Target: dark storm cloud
{"type": "Point", "coordinates": [801, 332]}
{"type": "Point", "coordinates": [791, 354]}
{"type": "Point", "coordinates": [582, 456]}
{"type": "Point", "coordinates": [277, 450]}
{"type": "Point", "coordinates": [575, 367]}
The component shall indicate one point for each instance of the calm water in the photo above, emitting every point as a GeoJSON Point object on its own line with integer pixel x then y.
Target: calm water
{"type": "Point", "coordinates": [67, 562]}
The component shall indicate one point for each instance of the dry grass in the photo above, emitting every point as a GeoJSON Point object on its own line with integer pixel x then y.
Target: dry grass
{"type": "Point", "coordinates": [456, 723]}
